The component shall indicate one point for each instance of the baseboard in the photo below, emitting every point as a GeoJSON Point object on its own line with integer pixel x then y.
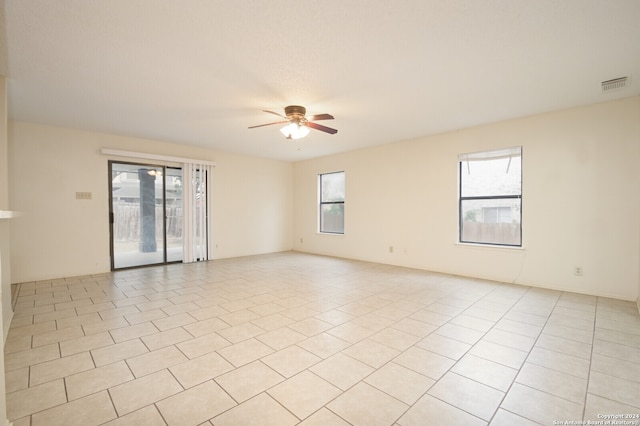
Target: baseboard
{"type": "Point", "coordinates": [15, 290]}
{"type": "Point", "coordinates": [6, 327]}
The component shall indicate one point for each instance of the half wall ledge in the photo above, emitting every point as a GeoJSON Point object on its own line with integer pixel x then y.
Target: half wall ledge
{"type": "Point", "coordinates": [7, 214]}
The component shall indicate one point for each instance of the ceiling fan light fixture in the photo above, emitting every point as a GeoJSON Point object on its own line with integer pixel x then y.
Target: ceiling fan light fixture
{"type": "Point", "coordinates": [297, 123]}
{"type": "Point", "coordinates": [295, 130]}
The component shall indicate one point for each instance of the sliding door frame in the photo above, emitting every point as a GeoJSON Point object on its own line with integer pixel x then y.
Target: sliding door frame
{"type": "Point", "coordinates": [164, 214]}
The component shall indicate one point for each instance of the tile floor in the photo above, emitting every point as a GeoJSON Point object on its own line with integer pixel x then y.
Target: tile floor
{"type": "Point", "coordinates": [290, 338]}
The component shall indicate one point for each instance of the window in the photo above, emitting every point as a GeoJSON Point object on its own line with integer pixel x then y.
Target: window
{"type": "Point", "coordinates": [490, 203]}
{"type": "Point", "coordinates": [332, 203]}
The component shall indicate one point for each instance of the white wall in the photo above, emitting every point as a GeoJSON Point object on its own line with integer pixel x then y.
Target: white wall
{"type": "Point", "coordinates": [581, 202]}
{"type": "Point", "coordinates": [59, 236]}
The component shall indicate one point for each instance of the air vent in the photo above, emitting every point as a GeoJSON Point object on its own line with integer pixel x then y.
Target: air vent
{"type": "Point", "coordinates": [615, 84]}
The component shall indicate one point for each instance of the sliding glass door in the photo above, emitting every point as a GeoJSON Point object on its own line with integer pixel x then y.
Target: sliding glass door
{"type": "Point", "coordinates": [173, 213]}
{"type": "Point", "coordinates": [145, 214]}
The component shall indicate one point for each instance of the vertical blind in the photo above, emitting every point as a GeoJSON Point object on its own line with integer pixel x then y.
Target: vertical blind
{"type": "Point", "coordinates": [196, 198]}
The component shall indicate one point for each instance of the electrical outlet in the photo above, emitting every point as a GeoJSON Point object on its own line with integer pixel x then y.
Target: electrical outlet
{"type": "Point", "coordinates": [390, 249]}
{"type": "Point", "coordinates": [301, 240]}
{"type": "Point", "coordinates": [83, 195]}
{"type": "Point", "coordinates": [577, 270]}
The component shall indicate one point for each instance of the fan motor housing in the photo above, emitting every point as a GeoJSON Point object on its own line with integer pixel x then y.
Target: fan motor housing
{"type": "Point", "coordinates": [293, 110]}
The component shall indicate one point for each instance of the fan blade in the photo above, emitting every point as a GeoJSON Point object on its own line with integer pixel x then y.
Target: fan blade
{"type": "Point", "coordinates": [269, 124]}
{"type": "Point", "coordinates": [274, 113]}
{"type": "Point", "coordinates": [321, 127]}
{"type": "Point", "coordinates": [320, 117]}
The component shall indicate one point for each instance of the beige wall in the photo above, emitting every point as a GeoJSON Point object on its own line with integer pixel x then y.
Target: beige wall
{"type": "Point", "coordinates": [581, 202]}
{"type": "Point", "coordinates": [59, 236]}
{"type": "Point", "coordinates": [5, 253]}
{"type": "Point", "coordinates": [581, 205]}
{"type": "Point", "coordinates": [5, 230]}
{"type": "Point", "coordinates": [5, 275]}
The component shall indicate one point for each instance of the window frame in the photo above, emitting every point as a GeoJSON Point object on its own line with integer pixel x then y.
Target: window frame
{"type": "Point", "coordinates": [462, 198]}
{"type": "Point", "coordinates": [322, 203]}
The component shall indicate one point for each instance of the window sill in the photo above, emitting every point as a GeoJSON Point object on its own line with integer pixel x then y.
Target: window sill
{"type": "Point", "coordinates": [489, 246]}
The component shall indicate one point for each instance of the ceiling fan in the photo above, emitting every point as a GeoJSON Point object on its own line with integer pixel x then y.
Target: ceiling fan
{"type": "Point", "coordinates": [297, 123]}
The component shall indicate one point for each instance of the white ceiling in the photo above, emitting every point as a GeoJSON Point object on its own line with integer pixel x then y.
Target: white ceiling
{"type": "Point", "coordinates": [200, 71]}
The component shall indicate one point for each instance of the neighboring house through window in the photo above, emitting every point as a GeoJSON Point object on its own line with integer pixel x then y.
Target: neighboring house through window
{"type": "Point", "coordinates": [331, 195]}
{"type": "Point", "coordinates": [490, 197]}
